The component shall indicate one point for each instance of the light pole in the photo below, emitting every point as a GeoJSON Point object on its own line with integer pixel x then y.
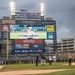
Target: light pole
{"type": "Point", "coordinates": [7, 45]}
{"type": "Point", "coordinates": [42, 10]}
{"type": "Point", "coordinates": [12, 6]}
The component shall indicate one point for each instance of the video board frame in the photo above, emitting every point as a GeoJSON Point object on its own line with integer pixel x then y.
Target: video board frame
{"type": "Point", "coordinates": [38, 32]}
{"type": "Point", "coordinates": [43, 22]}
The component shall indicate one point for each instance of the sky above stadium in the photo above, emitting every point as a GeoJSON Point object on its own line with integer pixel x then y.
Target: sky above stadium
{"type": "Point", "coordinates": [63, 11]}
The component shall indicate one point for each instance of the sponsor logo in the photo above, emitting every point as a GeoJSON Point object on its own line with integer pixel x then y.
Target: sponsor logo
{"type": "Point", "coordinates": [8, 21]}
{"type": "Point", "coordinates": [5, 28]}
{"type": "Point", "coordinates": [28, 41]}
{"type": "Point", "coordinates": [36, 46]}
{"type": "Point", "coordinates": [29, 22]}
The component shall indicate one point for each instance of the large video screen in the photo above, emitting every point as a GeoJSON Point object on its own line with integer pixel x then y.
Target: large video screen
{"type": "Point", "coordinates": [28, 31]}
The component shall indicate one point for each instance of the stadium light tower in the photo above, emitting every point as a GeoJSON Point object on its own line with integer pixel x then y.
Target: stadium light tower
{"type": "Point", "coordinates": [12, 6]}
{"type": "Point", "coordinates": [42, 9]}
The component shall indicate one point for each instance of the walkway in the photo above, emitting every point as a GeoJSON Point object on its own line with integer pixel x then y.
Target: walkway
{"type": "Point", "coordinates": [1, 66]}
{"type": "Point", "coordinates": [26, 72]}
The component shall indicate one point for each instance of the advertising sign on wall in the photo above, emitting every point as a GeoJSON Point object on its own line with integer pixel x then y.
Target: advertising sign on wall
{"type": "Point", "coordinates": [4, 35]}
{"type": "Point", "coordinates": [29, 46]}
{"type": "Point", "coordinates": [10, 49]}
{"type": "Point", "coordinates": [29, 41]}
{"type": "Point", "coordinates": [25, 51]}
{"type": "Point", "coordinates": [30, 22]}
{"type": "Point", "coordinates": [5, 28]}
{"type": "Point", "coordinates": [50, 28]}
{"type": "Point", "coordinates": [25, 32]}
{"type": "Point", "coordinates": [50, 35]}
{"type": "Point", "coordinates": [4, 49]}
{"type": "Point", "coordinates": [48, 22]}
{"type": "Point", "coordinates": [22, 46]}
{"type": "Point", "coordinates": [36, 46]}
{"type": "Point", "coordinates": [8, 21]}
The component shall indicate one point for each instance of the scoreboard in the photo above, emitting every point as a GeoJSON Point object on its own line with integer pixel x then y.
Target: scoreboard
{"type": "Point", "coordinates": [43, 30]}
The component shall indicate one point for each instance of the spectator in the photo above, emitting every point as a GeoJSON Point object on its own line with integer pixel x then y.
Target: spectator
{"type": "Point", "coordinates": [54, 59]}
{"type": "Point", "coordinates": [50, 60]}
{"type": "Point", "coordinates": [43, 60]}
{"type": "Point", "coordinates": [37, 60]}
{"type": "Point", "coordinates": [70, 59]}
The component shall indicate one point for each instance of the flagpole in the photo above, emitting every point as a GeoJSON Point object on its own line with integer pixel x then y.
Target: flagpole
{"type": "Point", "coordinates": [7, 46]}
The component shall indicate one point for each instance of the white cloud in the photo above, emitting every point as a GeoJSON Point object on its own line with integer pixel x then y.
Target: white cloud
{"type": "Point", "coordinates": [63, 30]}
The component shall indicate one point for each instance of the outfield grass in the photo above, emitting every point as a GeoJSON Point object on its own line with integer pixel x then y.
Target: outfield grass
{"type": "Point", "coordinates": [33, 66]}
{"type": "Point", "coordinates": [68, 72]}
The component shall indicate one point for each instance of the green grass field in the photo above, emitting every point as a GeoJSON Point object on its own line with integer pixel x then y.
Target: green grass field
{"type": "Point", "coordinates": [70, 71]}
{"type": "Point", "coordinates": [33, 66]}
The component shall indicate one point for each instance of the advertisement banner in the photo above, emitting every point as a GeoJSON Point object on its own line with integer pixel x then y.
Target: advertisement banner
{"type": "Point", "coordinates": [5, 28]}
{"type": "Point", "coordinates": [19, 46]}
{"type": "Point", "coordinates": [36, 46]}
{"type": "Point", "coordinates": [27, 32]}
{"type": "Point", "coordinates": [28, 41]}
{"type": "Point", "coordinates": [26, 51]}
{"type": "Point", "coordinates": [10, 49]}
{"type": "Point", "coordinates": [29, 46]}
{"type": "Point", "coordinates": [8, 22]}
{"type": "Point", "coordinates": [50, 35]}
{"type": "Point", "coordinates": [4, 35]}
{"type": "Point", "coordinates": [3, 41]}
{"type": "Point", "coordinates": [50, 28]}
{"type": "Point", "coordinates": [47, 51]}
{"type": "Point", "coordinates": [26, 22]}
{"type": "Point", "coordinates": [22, 46]}
{"type": "Point", "coordinates": [48, 22]}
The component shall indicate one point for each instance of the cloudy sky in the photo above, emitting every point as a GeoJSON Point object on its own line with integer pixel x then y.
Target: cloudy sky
{"type": "Point", "coordinates": [63, 11]}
